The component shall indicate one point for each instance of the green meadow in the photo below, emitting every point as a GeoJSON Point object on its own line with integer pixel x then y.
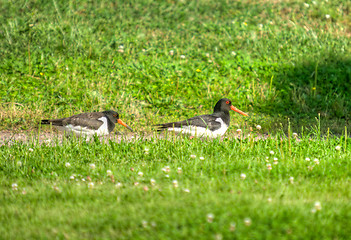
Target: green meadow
{"type": "Point", "coordinates": [286, 63]}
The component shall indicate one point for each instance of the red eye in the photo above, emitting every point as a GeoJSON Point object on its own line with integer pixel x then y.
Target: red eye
{"type": "Point", "coordinates": [227, 102]}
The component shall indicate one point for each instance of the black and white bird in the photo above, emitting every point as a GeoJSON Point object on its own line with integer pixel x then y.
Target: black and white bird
{"type": "Point", "coordinates": [88, 124]}
{"type": "Point", "coordinates": [212, 125]}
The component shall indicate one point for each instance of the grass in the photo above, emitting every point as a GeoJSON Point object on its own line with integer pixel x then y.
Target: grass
{"type": "Point", "coordinates": [56, 206]}
{"type": "Point", "coordinates": [286, 63]}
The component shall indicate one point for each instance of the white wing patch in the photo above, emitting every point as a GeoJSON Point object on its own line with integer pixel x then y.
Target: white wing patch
{"type": "Point", "coordinates": [201, 131]}
{"type": "Point", "coordinates": [84, 131]}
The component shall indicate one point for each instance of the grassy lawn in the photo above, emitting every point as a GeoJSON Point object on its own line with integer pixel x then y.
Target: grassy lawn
{"type": "Point", "coordinates": [286, 63]}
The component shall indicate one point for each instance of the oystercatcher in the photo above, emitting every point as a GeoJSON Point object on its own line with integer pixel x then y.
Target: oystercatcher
{"type": "Point", "coordinates": [88, 124]}
{"type": "Point", "coordinates": [211, 125]}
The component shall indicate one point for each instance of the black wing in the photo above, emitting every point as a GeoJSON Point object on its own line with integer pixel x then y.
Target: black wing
{"type": "Point", "coordinates": [89, 120]}
{"type": "Point", "coordinates": [205, 121]}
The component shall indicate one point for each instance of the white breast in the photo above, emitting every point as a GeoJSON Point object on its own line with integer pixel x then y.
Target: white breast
{"type": "Point", "coordinates": [201, 131]}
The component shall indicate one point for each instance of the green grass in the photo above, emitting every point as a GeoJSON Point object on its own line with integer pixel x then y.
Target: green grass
{"type": "Point", "coordinates": [54, 206]}
{"type": "Point", "coordinates": [272, 59]}
{"type": "Point", "coordinates": [284, 62]}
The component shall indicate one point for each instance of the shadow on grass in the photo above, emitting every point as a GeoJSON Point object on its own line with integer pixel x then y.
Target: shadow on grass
{"type": "Point", "coordinates": [313, 88]}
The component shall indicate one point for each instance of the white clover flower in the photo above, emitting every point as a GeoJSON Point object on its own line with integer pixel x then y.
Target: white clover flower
{"type": "Point", "coordinates": [316, 161]}
{"type": "Point", "coordinates": [327, 16]}
{"type": "Point", "coordinates": [233, 53]}
{"type": "Point", "coordinates": [275, 159]}
{"type": "Point", "coordinates": [91, 185]}
{"type": "Point", "coordinates": [152, 181]}
{"type": "Point", "coordinates": [317, 206]}
{"type": "Point", "coordinates": [306, 5]}
{"type": "Point", "coordinates": [269, 166]}
{"type": "Point", "coordinates": [71, 177]}
{"type": "Point", "coordinates": [232, 226]}
{"type": "Point", "coordinates": [146, 150]}
{"type": "Point", "coordinates": [294, 135]}
{"type": "Point", "coordinates": [337, 148]}
{"type": "Point", "coordinates": [118, 185]}
{"type": "Point", "coordinates": [109, 173]}
{"type": "Point", "coordinates": [260, 25]}
{"type": "Point", "coordinates": [179, 170]}
{"type": "Point", "coordinates": [202, 158]}
{"type": "Point", "coordinates": [14, 186]}
{"type": "Point", "coordinates": [31, 149]}
{"type": "Point", "coordinates": [19, 163]}
{"type": "Point", "coordinates": [314, 2]}
{"type": "Point", "coordinates": [207, 55]}
{"type": "Point", "coordinates": [238, 131]}
{"type": "Point", "coordinates": [140, 174]}
{"type": "Point", "coordinates": [192, 156]}
{"type": "Point", "coordinates": [186, 190]}
{"type": "Point", "coordinates": [121, 47]}
{"type": "Point", "coordinates": [269, 200]}
{"type": "Point", "coordinates": [171, 52]}
{"type": "Point", "coordinates": [247, 222]}
{"type": "Point", "coordinates": [92, 165]}
{"type": "Point", "coordinates": [243, 176]}
{"type": "Point", "coordinates": [291, 179]}
{"type": "Point", "coordinates": [144, 224]}
{"type": "Point", "coordinates": [307, 159]}
{"type": "Point", "coordinates": [271, 152]}
{"type": "Point", "coordinates": [210, 217]}
{"type": "Point", "coordinates": [67, 164]}
{"type": "Point", "coordinates": [258, 127]}
{"type": "Point", "coordinates": [167, 176]}
{"type": "Point", "coordinates": [175, 183]}
{"type": "Point", "coordinates": [182, 56]}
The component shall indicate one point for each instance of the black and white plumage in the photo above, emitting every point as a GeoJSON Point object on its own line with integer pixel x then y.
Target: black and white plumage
{"type": "Point", "coordinates": [88, 124]}
{"type": "Point", "coordinates": [211, 125]}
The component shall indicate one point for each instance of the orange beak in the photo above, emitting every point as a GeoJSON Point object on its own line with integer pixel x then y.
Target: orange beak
{"type": "Point", "coordinates": [124, 125]}
{"type": "Point", "coordinates": [238, 111]}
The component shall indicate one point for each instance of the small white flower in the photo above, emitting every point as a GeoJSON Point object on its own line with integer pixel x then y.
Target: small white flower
{"type": "Point", "coordinates": [171, 52]}
{"type": "Point", "coordinates": [238, 131]}
{"type": "Point", "coordinates": [118, 185]}
{"type": "Point", "coordinates": [19, 163]}
{"type": "Point", "coordinates": [306, 5]}
{"type": "Point", "coordinates": [269, 166]}
{"type": "Point", "coordinates": [233, 53]}
{"type": "Point", "coordinates": [31, 149]}
{"type": "Point", "coordinates": [317, 206]}
{"type": "Point", "coordinates": [316, 161]}
{"type": "Point", "coordinates": [167, 176]}
{"type": "Point", "coordinates": [202, 158]}
{"type": "Point", "coordinates": [109, 172]}
{"type": "Point", "coordinates": [294, 135]}
{"type": "Point", "coordinates": [140, 174]}
{"type": "Point", "coordinates": [83, 180]}
{"type": "Point", "coordinates": [207, 55]}
{"type": "Point", "coordinates": [14, 186]}
{"type": "Point", "coordinates": [269, 200]}
{"type": "Point", "coordinates": [232, 227]}
{"type": "Point", "coordinates": [291, 179]}
{"type": "Point", "coordinates": [275, 159]}
{"type": "Point", "coordinates": [271, 152]}
{"type": "Point", "coordinates": [307, 159]}
{"type": "Point", "coordinates": [175, 183]}
{"type": "Point", "coordinates": [67, 164]}
{"type": "Point", "coordinates": [179, 170]}
{"type": "Point", "coordinates": [121, 47]}
{"type": "Point", "coordinates": [71, 177]}
{"type": "Point", "coordinates": [243, 176]}
{"type": "Point", "coordinates": [247, 221]}
{"type": "Point", "coordinates": [146, 150]}
{"type": "Point", "coordinates": [144, 224]}
{"type": "Point", "coordinates": [182, 56]}
{"type": "Point", "coordinates": [192, 156]}
{"type": "Point", "coordinates": [314, 2]}
{"type": "Point", "coordinates": [210, 217]}
{"type": "Point", "coordinates": [337, 148]}
{"type": "Point", "coordinates": [258, 127]}
{"type": "Point", "coordinates": [92, 166]}
{"type": "Point", "coordinates": [327, 16]}
{"type": "Point", "coordinates": [186, 190]}
{"type": "Point", "coordinates": [152, 181]}
{"type": "Point", "coordinates": [260, 25]}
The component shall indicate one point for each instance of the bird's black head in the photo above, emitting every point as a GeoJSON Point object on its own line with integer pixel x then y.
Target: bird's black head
{"type": "Point", "coordinates": [114, 117]}
{"type": "Point", "coordinates": [225, 105]}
